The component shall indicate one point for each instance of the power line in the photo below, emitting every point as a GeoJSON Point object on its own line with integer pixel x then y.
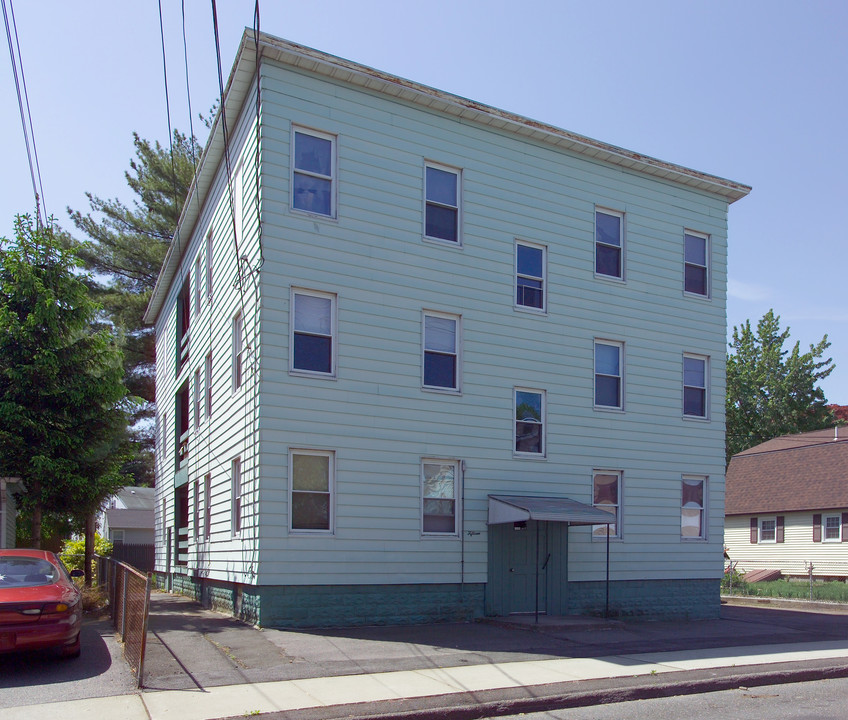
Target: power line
{"type": "Point", "coordinates": [36, 170]}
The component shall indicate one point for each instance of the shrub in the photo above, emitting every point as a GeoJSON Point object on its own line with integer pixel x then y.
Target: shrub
{"type": "Point", "coordinates": [73, 551]}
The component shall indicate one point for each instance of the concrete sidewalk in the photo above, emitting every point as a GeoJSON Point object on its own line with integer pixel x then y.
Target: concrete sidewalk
{"type": "Point", "coordinates": [202, 665]}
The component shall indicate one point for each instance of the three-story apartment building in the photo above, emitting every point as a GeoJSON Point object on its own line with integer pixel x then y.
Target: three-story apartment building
{"type": "Point", "coordinates": [419, 358]}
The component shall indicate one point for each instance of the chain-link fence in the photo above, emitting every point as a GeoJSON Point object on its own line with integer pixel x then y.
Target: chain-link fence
{"type": "Point", "coordinates": [129, 604]}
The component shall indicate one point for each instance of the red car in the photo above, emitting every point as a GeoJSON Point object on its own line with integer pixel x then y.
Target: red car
{"type": "Point", "coordinates": [40, 607]}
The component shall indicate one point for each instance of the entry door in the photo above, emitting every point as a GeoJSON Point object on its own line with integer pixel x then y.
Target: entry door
{"type": "Point", "coordinates": [512, 576]}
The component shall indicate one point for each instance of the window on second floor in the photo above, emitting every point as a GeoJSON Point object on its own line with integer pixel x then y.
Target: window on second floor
{"type": "Point", "coordinates": [238, 351]}
{"type": "Point", "coordinates": [695, 386]}
{"type": "Point", "coordinates": [181, 425]}
{"type": "Point", "coordinates": [696, 271]}
{"type": "Point", "coordinates": [530, 422]}
{"type": "Point", "coordinates": [207, 385]}
{"type": "Point", "coordinates": [609, 375]}
{"type": "Point", "coordinates": [441, 203]}
{"type": "Point", "coordinates": [197, 399]}
{"type": "Point", "coordinates": [530, 270]}
{"type": "Point", "coordinates": [609, 244]}
{"type": "Point", "coordinates": [313, 323]}
{"type": "Point", "coordinates": [313, 172]}
{"type": "Point", "coordinates": [441, 351]}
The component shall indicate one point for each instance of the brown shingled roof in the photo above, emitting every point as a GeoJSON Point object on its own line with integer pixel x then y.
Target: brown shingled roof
{"type": "Point", "coordinates": [808, 471]}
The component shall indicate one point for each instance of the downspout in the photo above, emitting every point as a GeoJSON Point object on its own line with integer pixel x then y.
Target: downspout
{"type": "Point", "coordinates": [462, 531]}
{"type": "Point", "coordinates": [606, 604]}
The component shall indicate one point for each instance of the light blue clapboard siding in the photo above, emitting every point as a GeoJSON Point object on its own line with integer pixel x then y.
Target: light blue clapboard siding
{"type": "Point", "coordinates": [374, 414]}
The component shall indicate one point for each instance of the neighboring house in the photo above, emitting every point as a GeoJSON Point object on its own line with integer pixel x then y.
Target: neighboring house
{"type": "Point", "coordinates": [8, 512]}
{"type": "Point", "coordinates": [128, 516]}
{"type": "Point", "coordinates": [417, 355]}
{"type": "Point", "coordinates": [787, 505]}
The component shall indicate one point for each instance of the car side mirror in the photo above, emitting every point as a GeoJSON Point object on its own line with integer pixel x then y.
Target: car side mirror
{"type": "Point", "coordinates": [75, 573]}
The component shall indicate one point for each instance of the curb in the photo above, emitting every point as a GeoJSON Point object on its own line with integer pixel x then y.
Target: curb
{"type": "Point", "coordinates": [576, 693]}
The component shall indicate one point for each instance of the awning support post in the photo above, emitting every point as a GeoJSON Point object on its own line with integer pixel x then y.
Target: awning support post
{"type": "Point", "coordinates": [537, 571]}
{"type": "Point", "coordinates": [606, 604]}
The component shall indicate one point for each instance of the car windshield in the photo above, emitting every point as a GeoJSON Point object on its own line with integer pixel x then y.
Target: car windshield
{"type": "Point", "coordinates": [26, 572]}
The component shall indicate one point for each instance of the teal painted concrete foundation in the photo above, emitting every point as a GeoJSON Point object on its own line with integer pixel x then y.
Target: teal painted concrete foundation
{"type": "Point", "coordinates": [299, 606]}
{"type": "Point", "coordinates": [647, 599]}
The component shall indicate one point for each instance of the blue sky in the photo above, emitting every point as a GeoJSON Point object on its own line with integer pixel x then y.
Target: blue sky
{"type": "Point", "coordinates": [752, 91]}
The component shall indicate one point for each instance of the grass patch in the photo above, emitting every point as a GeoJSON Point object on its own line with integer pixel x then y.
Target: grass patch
{"type": "Point", "coordinates": [831, 591]}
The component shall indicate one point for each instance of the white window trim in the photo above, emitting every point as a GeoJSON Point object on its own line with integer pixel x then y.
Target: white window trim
{"type": "Point", "coordinates": [825, 538]}
{"type": "Point", "coordinates": [622, 248]}
{"type": "Point", "coordinates": [331, 487]}
{"type": "Point", "coordinates": [210, 251]}
{"type": "Point", "coordinates": [619, 508]}
{"type": "Point", "coordinates": [704, 510]}
{"type": "Point", "coordinates": [207, 386]}
{"type": "Point", "coordinates": [196, 400]}
{"type": "Point", "coordinates": [333, 177]}
{"type": "Point", "coordinates": [706, 388]}
{"type": "Point", "coordinates": [457, 495]}
{"type": "Point", "coordinates": [207, 506]}
{"type": "Point", "coordinates": [198, 277]}
{"type": "Point", "coordinates": [455, 171]}
{"type": "Point", "coordinates": [708, 253]}
{"type": "Point", "coordinates": [195, 486]}
{"type": "Point", "coordinates": [760, 521]}
{"type": "Point", "coordinates": [527, 308]}
{"type": "Point", "coordinates": [333, 298]}
{"type": "Point", "coordinates": [236, 504]}
{"type": "Point", "coordinates": [457, 351]}
{"type": "Point", "coordinates": [238, 366]}
{"type": "Point", "coordinates": [621, 369]}
{"type": "Point", "coordinates": [528, 455]}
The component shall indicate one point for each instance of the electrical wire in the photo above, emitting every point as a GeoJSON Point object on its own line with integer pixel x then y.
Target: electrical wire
{"type": "Point", "coordinates": [33, 170]}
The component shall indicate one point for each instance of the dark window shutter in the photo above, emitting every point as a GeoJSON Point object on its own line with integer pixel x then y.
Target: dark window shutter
{"type": "Point", "coordinates": [817, 527]}
{"type": "Point", "coordinates": [778, 529]}
{"type": "Point", "coordinates": [754, 530]}
{"type": "Point", "coordinates": [844, 527]}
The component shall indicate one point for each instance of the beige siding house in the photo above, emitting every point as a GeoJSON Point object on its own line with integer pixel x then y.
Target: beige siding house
{"type": "Point", "coordinates": [787, 505]}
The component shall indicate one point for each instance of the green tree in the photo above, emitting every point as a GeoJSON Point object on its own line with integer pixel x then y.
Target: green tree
{"type": "Point", "coordinates": [63, 407]}
{"type": "Point", "coordinates": [124, 251]}
{"type": "Point", "coordinates": [772, 391]}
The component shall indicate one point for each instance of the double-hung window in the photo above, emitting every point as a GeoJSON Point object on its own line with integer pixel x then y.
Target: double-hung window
{"type": "Point", "coordinates": [695, 386]}
{"type": "Point", "coordinates": [207, 385]}
{"type": "Point", "coordinates": [530, 422]}
{"type": "Point", "coordinates": [313, 172]}
{"type": "Point", "coordinates": [209, 257]}
{"type": "Point", "coordinates": [609, 244]}
{"type": "Point", "coordinates": [693, 495]}
{"type": "Point", "coordinates": [311, 490]}
{"type": "Point", "coordinates": [196, 513]}
{"type": "Point", "coordinates": [696, 270]}
{"type": "Point", "coordinates": [442, 192]}
{"type": "Point", "coordinates": [530, 276]}
{"type": "Point", "coordinates": [609, 374]}
{"type": "Point", "coordinates": [312, 333]}
{"type": "Point", "coordinates": [196, 398]}
{"type": "Point", "coordinates": [235, 477]}
{"type": "Point", "coordinates": [238, 351]}
{"type": "Point", "coordinates": [198, 278]}
{"type": "Point", "coordinates": [606, 496]}
{"type": "Point", "coordinates": [207, 505]}
{"type": "Point", "coordinates": [833, 528]}
{"type": "Point", "coordinates": [768, 530]}
{"type": "Point", "coordinates": [439, 487]}
{"type": "Point", "coordinates": [441, 351]}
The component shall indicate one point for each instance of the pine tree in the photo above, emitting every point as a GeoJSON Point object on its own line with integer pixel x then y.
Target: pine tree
{"type": "Point", "coordinates": [772, 391]}
{"type": "Point", "coordinates": [124, 251]}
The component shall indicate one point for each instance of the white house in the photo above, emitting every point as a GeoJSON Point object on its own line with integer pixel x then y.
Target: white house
{"type": "Point", "coordinates": [128, 516]}
{"type": "Point", "coordinates": [787, 505]}
{"type": "Point", "coordinates": [413, 351]}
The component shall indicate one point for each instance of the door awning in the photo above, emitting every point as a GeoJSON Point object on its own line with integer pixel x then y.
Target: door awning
{"type": "Point", "coordinates": [518, 508]}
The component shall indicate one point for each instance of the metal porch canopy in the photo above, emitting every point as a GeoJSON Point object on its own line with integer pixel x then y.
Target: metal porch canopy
{"type": "Point", "coordinates": [520, 508]}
